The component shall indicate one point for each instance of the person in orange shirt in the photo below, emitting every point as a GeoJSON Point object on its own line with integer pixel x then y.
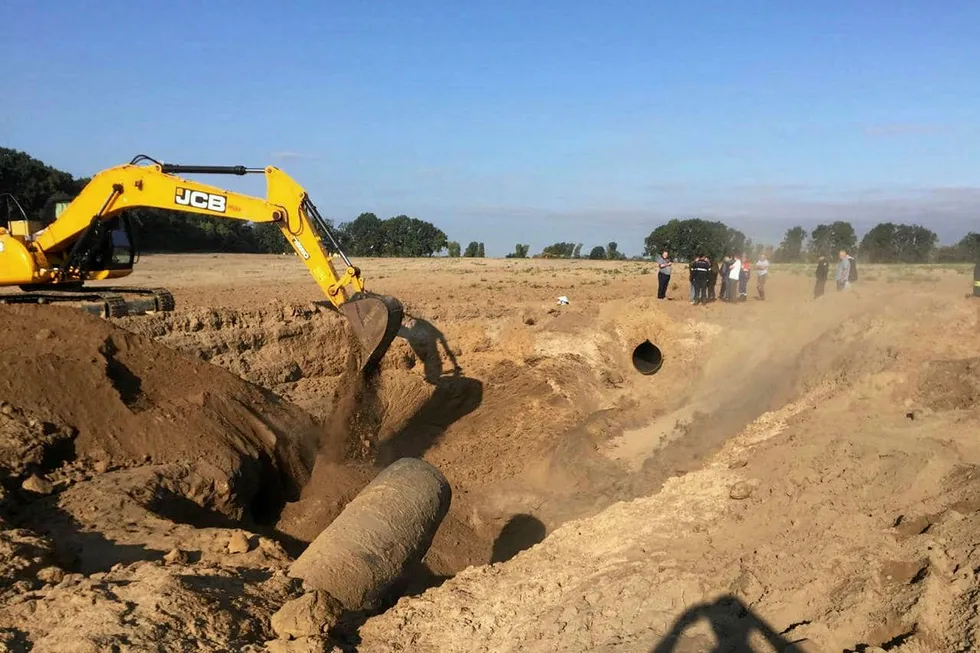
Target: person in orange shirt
{"type": "Point", "coordinates": [743, 279]}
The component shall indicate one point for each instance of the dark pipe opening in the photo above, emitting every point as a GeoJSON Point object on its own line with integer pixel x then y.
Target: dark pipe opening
{"type": "Point", "coordinates": [647, 358]}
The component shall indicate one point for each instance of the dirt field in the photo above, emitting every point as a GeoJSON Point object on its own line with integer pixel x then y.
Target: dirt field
{"type": "Point", "coordinates": [800, 475]}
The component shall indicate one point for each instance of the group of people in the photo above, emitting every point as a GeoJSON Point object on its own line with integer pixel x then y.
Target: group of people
{"type": "Point", "coordinates": [844, 274]}
{"type": "Point", "coordinates": [735, 273]}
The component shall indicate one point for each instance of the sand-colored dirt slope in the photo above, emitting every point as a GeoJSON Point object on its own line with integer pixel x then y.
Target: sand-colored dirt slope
{"type": "Point", "coordinates": [131, 400]}
{"type": "Point", "coordinates": [131, 479]}
{"type": "Point", "coordinates": [812, 461]}
{"type": "Point", "coordinates": [844, 516]}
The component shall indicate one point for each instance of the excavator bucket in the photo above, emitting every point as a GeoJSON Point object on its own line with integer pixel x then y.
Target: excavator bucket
{"type": "Point", "coordinates": [376, 319]}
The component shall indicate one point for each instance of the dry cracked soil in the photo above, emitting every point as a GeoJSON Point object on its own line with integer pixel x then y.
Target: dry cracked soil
{"type": "Point", "coordinates": [801, 475]}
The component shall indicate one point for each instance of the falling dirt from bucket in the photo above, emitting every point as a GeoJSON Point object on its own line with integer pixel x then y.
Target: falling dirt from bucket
{"type": "Point", "coordinates": [647, 358]}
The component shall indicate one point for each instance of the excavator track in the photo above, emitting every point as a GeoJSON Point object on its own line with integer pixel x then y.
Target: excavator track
{"type": "Point", "coordinates": [164, 300]}
{"type": "Point", "coordinates": [114, 306]}
{"type": "Point", "coordinates": [103, 302]}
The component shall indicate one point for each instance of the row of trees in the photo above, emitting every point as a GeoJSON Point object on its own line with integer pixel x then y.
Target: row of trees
{"type": "Point", "coordinates": [33, 183]}
{"type": "Point", "coordinates": [967, 250]}
{"type": "Point", "coordinates": [368, 235]}
{"type": "Point", "coordinates": [685, 239]}
{"type": "Point", "coordinates": [520, 251]}
{"type": "Point", "coordinates": [473, 250]}
{"type": "Point", "coordinates": [608, 253]}
{"type": "Point", "coordinates": [570, 250]}
{"type": "Point", "coordinates": [886, 242]}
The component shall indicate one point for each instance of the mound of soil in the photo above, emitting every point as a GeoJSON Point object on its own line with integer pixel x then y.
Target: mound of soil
{"type": "Point", "coordinates": [295, 350]}
{"type": "Point", "coordinates": [951, 385]}
{"type": "Point", "coordinates": [128, 400]}
{"type": "Point", "coordinates": [136, 484]}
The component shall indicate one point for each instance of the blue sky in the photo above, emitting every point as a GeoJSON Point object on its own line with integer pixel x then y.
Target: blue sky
{"type": "Point", "coordinates": [530, 122]}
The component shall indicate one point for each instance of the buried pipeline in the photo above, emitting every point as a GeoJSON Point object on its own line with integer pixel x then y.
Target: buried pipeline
{"type": "Point", "coordinates": [647, 358]}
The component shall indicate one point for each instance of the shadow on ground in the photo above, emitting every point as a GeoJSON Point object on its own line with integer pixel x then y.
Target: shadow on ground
{"type": "Point", "coordinates": [520, 533]}
{"type": "Point", "coordinates": [455, 395]}
{"type": "Point", "coordinates": [732, 624]}
{"type": "Point", "coordinates": [76, 549]}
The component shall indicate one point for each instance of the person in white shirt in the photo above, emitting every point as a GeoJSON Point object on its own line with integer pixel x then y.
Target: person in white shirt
{"type": "Point", "coordinates": [843, 272]}
{"type": "Point", "coordinates": [733, 275]}
{"type": "Point", "coordinates": [762, 272]}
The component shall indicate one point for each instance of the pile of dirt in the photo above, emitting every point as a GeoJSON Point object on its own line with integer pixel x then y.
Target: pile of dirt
{"type": "Point", "coordinates": [299, 351]}
{"type": "Point", "coordinates": [134, 485]}
{"type": "Point", "coordinates": [126, 399]}
{"type": "Point", "coordinates": [130, 465]}
{"type": "Point", "coordinates": [129, 556]}
{"type": "Point", "coordinates": [951, 384]}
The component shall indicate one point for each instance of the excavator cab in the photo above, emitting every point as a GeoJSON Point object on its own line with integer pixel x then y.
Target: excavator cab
{"type": "Point", "coordinates": [15, 220]}
{"type": "Point", "coordinates": [54, 207]}
{"type": "Point", "coordinates": [112, 247]}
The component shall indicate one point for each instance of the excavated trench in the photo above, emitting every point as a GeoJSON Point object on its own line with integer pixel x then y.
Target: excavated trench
{"type": "Point", "coordinates": [307, 356]}
{"type": "Point", "coordinates": [551, 429]}
{"type": "Point", "coordinates": [534, 419]}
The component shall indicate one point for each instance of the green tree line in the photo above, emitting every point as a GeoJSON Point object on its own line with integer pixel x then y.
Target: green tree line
{"type": "Point", "coordinates": [401, 236]}
{"type": "Point", "coordinates": [685, 239]}
{"type": "Point", "coordinates": [33, 183]}
{"type": "Point", "coordinates": [886, 242]}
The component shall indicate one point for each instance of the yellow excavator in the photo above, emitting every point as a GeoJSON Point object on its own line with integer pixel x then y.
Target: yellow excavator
{"type": "Point", "coordinates": [91, 237]}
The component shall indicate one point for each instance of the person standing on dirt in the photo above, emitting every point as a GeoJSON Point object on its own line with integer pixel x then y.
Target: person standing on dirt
{"type": "Point", "coordinates": [700, 270]}
{"type": "Point", "coordinates": [823, 269]}
{"type": "Point", "coordinates": [743, 278]}
{"type": "Point", "coordinates": [690, 277]}
{"type": "Point", "coordinates": [976, 279]}
{"type": "Point", "coordinates": [712, 280]}
{"type": "Point", "coordinates": [852, 274]}
{"type": "Point", "coordinates": [843, 272]}
{"type": "Point", "coordinates": [734, 274]}
{"type": "Point", "coordinates": [762, 265]}
{"type": "Point", "coordinates": [663, 276]}
{"type": "Point", "coordinates": [723, 270]}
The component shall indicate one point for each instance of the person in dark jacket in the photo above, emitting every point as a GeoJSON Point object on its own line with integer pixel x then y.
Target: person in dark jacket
{"type": "Point", "coordinates": [726, 265]}
{"type": "Point", "coordinates": [712, 280]}
{"type": "Point", "coordinates": [823, 269]}
{"type": "Point", "coordinates": [700, 270]}
{"type": "Point", "coordinates": [976, 279]}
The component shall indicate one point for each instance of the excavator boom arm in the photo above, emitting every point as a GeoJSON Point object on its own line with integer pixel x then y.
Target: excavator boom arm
{"type": "Point", "coordinates": [287, 205]}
